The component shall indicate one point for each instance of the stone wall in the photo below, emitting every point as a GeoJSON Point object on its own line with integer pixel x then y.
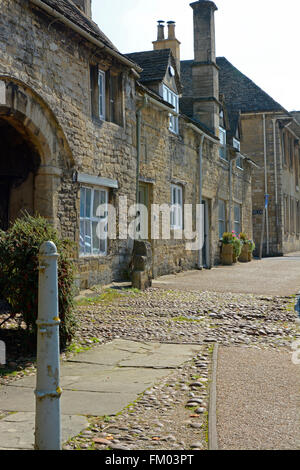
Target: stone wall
{"type": "Point", "coordinates": [281, 238]}
{"type": "Point", "coordinates": [46, 95]}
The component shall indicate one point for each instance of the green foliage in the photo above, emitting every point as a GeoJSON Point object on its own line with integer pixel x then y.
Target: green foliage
{"type": "Point", "coordinates": [227, 238]}
{"type": "Point", "coordinates": [19, 248]}
{"type": "Point", "coordinates": [237, 246]}
{"type": "Point", "coordinates": [251, 245]}
{"type": "Point", "coordinates": [243, 237]}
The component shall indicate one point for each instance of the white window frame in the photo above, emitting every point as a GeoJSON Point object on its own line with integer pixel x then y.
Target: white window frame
{"type": "Point", "coordinates": [176, 207]}
{"type": "Point", "coordinates": [222, 217]}
{"type": "Point", "coordinates": [239, 161]}
{"type": "Point", "coordinates": [239, 220]}
{"type": "Point", "coordinates": [171, 97]}
{"type": "Point", "coordinates": [223, 144]}
{"type": "Point", "coordinates": [102, 97]}
{"type": "Point", "coordinates": [89, 223]}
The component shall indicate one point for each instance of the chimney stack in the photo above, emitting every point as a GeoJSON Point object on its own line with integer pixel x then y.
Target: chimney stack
{"type": "Point", "coordinates": [170, 43]}
{"type": "Point", "coordinates": [161, 30]}
{"type": "Point", "coordinates": [85, 6]}
{"type": "Point", "coordinates": [205, 69]}
{"type": "Point", "coordinates": [171, 30]}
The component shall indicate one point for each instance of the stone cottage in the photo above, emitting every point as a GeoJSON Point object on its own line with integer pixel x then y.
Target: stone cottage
{"type": "Point", "coordinates": [194, 162]}
{"type": "Point", "coordinates": [271, 137]}
{"type": "Point", "coordinates": [84, 125]}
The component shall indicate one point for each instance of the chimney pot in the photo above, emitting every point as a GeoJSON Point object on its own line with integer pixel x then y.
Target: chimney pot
{"type": "Point", "coordinates": [171, 30]}
{"type": "Point", "coordinates": [161, 30]}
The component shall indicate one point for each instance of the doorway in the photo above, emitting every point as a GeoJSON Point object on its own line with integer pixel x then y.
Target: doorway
{"type": "Point", "coordinates": [18, 164]}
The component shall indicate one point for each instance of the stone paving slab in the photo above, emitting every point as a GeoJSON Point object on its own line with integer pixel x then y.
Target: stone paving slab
{"type": "Point", "coordinates": [99, 382]}
{"type": "Point", "coordinates": [258, 400]}
{"type": "Point", "coordinates": [280, 278]}
{"type": "Point", "coordinates": [17, 430]}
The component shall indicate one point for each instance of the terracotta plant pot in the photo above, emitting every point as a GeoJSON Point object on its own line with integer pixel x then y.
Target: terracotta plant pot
{"type": "Point", "coordinates": [227, 255]}
{"type": "Point", "coordinates": [244, 256]}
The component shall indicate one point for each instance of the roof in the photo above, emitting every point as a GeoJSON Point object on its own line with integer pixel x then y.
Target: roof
{"type": "Point", "coordinates": [74, 14]}
{"type": "Point", "coordinates": [241, 95]}
{"type": "Point", "coordinates": [155, 64]}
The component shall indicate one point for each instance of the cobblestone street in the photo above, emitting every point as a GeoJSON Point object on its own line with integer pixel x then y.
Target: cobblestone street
{"type": "Point", "coordinates": [173, 414]}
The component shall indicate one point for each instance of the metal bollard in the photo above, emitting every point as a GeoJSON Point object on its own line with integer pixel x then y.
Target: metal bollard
{"type": "Point", "coordinates": [48, 391]}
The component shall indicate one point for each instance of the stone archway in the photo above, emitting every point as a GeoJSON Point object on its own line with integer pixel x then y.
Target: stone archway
{"type": "Point", "coordinates": [34, 154]}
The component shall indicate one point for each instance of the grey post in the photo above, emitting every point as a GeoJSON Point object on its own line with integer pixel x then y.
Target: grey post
{"type": "Point", "coordinates": [48, 391]}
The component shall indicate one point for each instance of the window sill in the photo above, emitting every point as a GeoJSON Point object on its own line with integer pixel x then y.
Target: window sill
{"type": "Point", "coordinates": [100, 122]}
{"type": "Point", "coordinates": [223, 160]}
{"type": "Point", "coordinates": [92, 257]}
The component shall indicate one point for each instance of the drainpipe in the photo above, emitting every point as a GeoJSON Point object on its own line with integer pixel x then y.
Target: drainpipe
{"type": "Point", "coordinates": [230, 188]}
{"type": "Point", "coordinates": [266, 182]}
{"type": "Point", "coordinates": [276, 181]}
{"type": "Point", "coordinates": [230, 195]}
{"type": "Point", "coordinates": [138, 144]}
{"type": "Point", "coordinates": [200, 257]}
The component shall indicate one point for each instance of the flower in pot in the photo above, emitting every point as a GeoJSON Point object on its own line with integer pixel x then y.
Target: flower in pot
{"type": "Point", "coordinates": [244, 255]}
{"type": "Point", "coordinates": [227, 249]}
{"type": "Point", "coordinates": [237, 247]}
{"type": "Point", "coordinates": [251, 248]}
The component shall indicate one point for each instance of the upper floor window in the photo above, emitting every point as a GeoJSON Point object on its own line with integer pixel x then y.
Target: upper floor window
{"type": "Point", "coordinates": [223, 141]}
{"type": "Point", "coordinates": [173, 99]}
{"type": "Point", "coordinates": [106, 95]}
{"type": "Point", "coordinates": [237, 145]}
{"type": "Point", "coordinates": [237, 219]}
{"type": "Point", "coordinates": [177, 207]}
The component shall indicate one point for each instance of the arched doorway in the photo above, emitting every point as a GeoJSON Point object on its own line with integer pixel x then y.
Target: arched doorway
{"type": "Point", "coordinates": [35, 156]}
{"type": "Point", "coordinates": [19, 163]}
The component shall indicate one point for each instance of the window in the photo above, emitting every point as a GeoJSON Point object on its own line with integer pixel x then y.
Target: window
{"type": "Point", "coordinates": [239, 161]}
{"type": "Point", "coordinates": [223, 150]}
{"type": "Point", "coordinates": [237, 219]}
{"type": "Point", "coordinates": [291, 152]}
{"type": "Point", "coordinates": [93, 223]}
{"type": "Point", "coordinates": [177, 207]}
{"type": "Point", "coordinates": [173, 99]}
{"type": "Point", "coordinates": [222, 218]}
{"type": "Point", "coordinates": [286, 214]}
{"type": "Point", "coordinates": [297, 167]}
{"type": "Point", "coordinates": [292, 215]}
{"type": "Point", "coordinates": [106, 95]}
{"type": "Point", "coordinates": [101, 85]}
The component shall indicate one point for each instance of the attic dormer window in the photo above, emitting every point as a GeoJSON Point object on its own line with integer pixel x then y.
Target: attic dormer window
{"type": "Point", "coordinates": [171, 97]}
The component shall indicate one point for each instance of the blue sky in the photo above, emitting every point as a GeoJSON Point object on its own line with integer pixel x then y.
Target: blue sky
{"type": "Point", "coordinates": [259, 37]}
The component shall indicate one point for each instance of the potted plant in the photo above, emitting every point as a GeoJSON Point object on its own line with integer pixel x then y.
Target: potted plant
{"type": "Point", "coordinates": [237, 247]}
{"type": "Point", "coordinates": [227, 249]}
{"type": "Point", "coordinates": [251, 247]}
{"type": "Point", "coordinates": [244, 256]}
